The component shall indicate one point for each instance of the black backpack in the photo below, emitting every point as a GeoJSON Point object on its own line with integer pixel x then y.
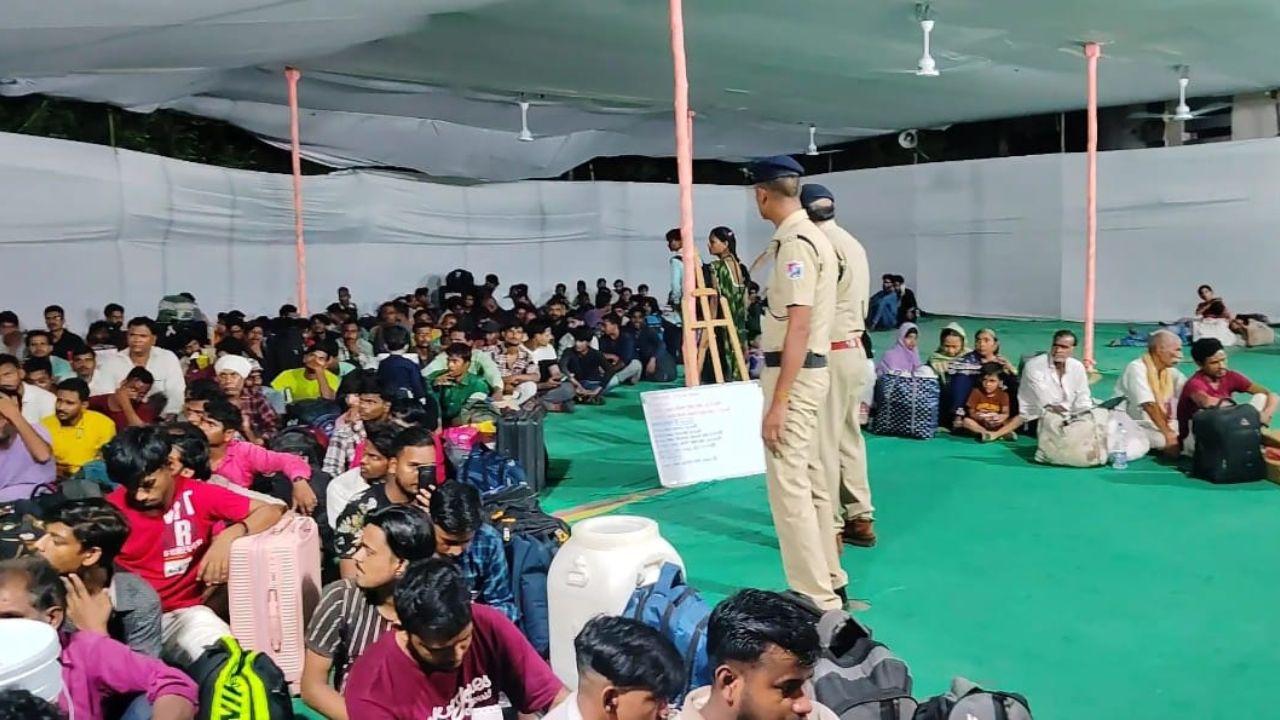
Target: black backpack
{"type": "Point", "coordinates": [239, 685]}
{"type": "Point", "coordinates": [459, 280]}
{"type": "Point", "coordinates": [532, 539]}
{"type": "Point", "coordinates": [1228, 446]}
{"type": "Point", "coordinates": [967, 701]}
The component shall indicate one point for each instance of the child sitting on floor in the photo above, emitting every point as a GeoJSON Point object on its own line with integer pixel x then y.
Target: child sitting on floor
{"type": "Point", "coordinates": [987, 408]}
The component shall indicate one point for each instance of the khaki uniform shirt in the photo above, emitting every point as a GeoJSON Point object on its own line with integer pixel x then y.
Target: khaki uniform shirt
{"type": "Point", "coordinates": [854, 286]}
{"type": "Point", "coordinates": [804, 273]}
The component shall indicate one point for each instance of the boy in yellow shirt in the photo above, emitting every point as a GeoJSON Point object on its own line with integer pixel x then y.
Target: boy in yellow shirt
{"type": "Point", "coordinates": [78, 433]}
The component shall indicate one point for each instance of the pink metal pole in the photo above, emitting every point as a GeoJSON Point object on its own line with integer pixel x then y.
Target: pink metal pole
{"type": "Point", "coordinates": [1091, 53]}
{"type": "Point", "coordinates": [292, 75]}
{"type": "Point", "coordinates": [684, 171]}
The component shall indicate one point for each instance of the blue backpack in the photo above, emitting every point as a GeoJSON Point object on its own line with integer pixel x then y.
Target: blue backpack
{"type": "Point", "coordinates": [490, 472]}
{"type": "Point", "coordinates": [678, 612]}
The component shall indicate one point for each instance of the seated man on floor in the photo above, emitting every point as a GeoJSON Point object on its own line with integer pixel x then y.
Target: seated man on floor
{"type": "Point", "coordinates": [127, 406]}
{"type": "Point", "coordinates": [36, 403]}
{"type": "Point", "coordinates": [39, 373]}
{"type": "Point", "coordinates": [1054, 382]}
{"type": "Point", "coordinates": [40, 345]}
{"type": "Point", "coordinates": [658, 364]}
{"type": "Point", "coordinates": [449, 657]}
{"type": "Point", "coordinates": [762, 647]}
{"type": "Point", "coordinates": [482, 364]}
{"type": "Point", "coordinates": [375, 460]}
{"type": "Point", "coordinates": [455, 385]}
{"type": "Point", "coordinates": [411, 477]}
{"type": "Point", "coordinates": [81, 541]}
{"type": "Point", "coordinates": [556, 394]}
{"type": "Point", "coordinates": [1213, 385]}
{"type": "Point", "coordinates": [1151, 386]}
{"type": "Point", "coordinates": [626, 670]}
{"type": "Point", "coordinates": [372, 405]}
{"type": "Point", "coordinates": [96, 670]}
{"type": "Point", "coordinates": [84, 363]}
{"type": "Point", "coordinates": [313, 380]}
{"type": "Point", "coordinates": [515, 362]}
{"type": "Point", "coordinates": [262, 421]}
{"type": "Point", "coordinates": [619, 349]}
{"type": "Point", "coordinates": [398, 370]}
{"type": "Point", "coordinates": [354, 613]}
{"type": "Point", "coordinates": [26, 453]}
{"type": "Point", "coordinates": [141, 351]}
{"type": "Point", "coordinates": [171, 543]}
{"type": "Point", "coordinates": [586, 368]}
{"type": "Point", "coordinates": [882, 308]}
{"type": "Point", "coordinates": [78, 433]}
{"type": "Point", "coordinates": [240, 461]}
{"type": "Point", "coordinates": [462, 535]}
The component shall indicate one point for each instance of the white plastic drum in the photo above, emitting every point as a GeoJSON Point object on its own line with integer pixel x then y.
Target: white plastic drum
{"type": "Point", "coordinates": [30, 658]}
{"type": "Point", "coordinates": [595, 573]}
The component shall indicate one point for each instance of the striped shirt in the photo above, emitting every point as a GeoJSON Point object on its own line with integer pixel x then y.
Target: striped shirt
{"type": "Point", "coordinates": [343, 626]}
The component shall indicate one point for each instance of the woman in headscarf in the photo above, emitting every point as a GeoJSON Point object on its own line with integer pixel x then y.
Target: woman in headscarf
{"type": "Point", "coordinates": [963, 374]}
{"type": "Point", "coordinates": [727, 276]}
{"type": "Point", "coordinates": [952, 343]}
{"type": "Point", "coordinates": [904, 357]}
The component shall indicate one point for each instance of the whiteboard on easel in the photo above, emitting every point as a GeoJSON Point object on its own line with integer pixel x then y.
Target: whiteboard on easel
{"type": "Point", "coordinates": [705, 433]}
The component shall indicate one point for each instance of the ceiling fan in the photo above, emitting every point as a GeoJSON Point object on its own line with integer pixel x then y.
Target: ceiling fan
{"type": "Point", "coordinates": [927, 65]}
{"type": "Point", "coordinates": [1182, 111]}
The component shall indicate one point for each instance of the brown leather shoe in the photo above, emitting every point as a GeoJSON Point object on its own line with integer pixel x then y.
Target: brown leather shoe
{"type": "Point", "coordinates": [860, 532]}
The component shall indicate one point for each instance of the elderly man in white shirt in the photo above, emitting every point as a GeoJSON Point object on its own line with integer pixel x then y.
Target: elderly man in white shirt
{"type": "Point", "coordinates": [1151, 386]}
{"type": "Point", "coordinates": [142, 352]}
{"type": "Point", "coordinates": [1054, 382]}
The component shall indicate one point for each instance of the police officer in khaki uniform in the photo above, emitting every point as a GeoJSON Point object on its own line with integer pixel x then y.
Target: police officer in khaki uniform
{"type": "Point", "coordinates": [844, 453]}
{"type": "Point", "coordinates": [796, 337]}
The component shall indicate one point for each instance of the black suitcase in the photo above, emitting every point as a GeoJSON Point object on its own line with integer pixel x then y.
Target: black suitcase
{"type": "Point", "coordinates": [1228, 446]}
{"type": "Point", "coordinates": [520, 437]}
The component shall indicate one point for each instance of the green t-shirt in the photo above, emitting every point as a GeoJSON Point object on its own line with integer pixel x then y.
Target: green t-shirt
{"type": "Point", "coordinates": [296, 384]}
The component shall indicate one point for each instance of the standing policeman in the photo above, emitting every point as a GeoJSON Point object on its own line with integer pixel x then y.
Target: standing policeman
{"type": "Point", "coordinates": [844, 453]}
{"type": "Point", "coordinates": [796, 337]}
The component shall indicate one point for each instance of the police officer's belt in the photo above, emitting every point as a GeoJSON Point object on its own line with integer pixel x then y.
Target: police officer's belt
{"type": "Point", "coordinates": [812, 360]}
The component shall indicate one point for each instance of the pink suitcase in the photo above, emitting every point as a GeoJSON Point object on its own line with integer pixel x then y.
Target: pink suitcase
{"type": "Point", "coordinates": [273, 587]}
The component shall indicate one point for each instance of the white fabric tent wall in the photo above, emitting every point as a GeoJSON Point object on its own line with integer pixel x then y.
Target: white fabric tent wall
{"type": "Point", "coordinates": [83, 225]}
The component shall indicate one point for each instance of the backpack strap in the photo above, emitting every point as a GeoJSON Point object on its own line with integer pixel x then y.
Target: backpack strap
{"type": "Point", "coordinates": [691, 653]}
{"type": "Point", "coordinates": [664, 625]}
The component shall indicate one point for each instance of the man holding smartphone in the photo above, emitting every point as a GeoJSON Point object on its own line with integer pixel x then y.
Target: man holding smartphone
{"type": "Point", "coordinates": [410, 479]}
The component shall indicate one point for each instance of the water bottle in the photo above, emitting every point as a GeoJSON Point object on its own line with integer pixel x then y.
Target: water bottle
{"type": "Point", "coordinates": [1120, 457]}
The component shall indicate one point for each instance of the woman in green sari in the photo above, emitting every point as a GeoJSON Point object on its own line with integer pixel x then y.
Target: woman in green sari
{"type": "Point", "coordinates": [728, 276]}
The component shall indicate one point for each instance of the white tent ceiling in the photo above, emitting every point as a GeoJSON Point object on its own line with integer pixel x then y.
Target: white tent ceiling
{"type": "Point", "coordinates": [432, 84]}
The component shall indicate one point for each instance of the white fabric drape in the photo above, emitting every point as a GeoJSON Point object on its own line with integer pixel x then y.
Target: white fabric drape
{"type": "Point", "coordinates": [83, 225]}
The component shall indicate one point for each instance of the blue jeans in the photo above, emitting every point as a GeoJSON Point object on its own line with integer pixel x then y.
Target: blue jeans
{"type": "Point", "coordinates": [139, 709]}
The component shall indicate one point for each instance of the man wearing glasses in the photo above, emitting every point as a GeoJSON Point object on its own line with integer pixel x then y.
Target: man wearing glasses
{"type": "Point", "coordinates": [1054, 382]}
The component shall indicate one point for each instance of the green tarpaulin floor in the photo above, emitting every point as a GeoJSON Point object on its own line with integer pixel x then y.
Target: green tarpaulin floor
{"type": "Point", "coordinates": [1097, 593]}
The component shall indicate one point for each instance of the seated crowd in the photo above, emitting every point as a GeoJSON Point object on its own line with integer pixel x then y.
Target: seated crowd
{"type": "Point", "coordinates": [984, 395]}
{"type": "Point", "coordinates": [180, 446]}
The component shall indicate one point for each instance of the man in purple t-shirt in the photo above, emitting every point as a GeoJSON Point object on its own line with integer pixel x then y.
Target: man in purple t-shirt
{"type": "Point", "coordinates": [1213, 384]}
{"type": "Point", "coordinates": [26, 458]}
{"type": "Point", "coordinates": [450, 659]}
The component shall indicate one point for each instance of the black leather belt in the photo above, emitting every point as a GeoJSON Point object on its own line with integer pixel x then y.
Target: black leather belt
{"type": "Point", "coordinates": [812, 360]}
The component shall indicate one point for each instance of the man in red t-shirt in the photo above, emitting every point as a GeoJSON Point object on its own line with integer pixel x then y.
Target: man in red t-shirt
{"type": "Point", "coordinates": [127, 406]}
{"type": "Point", "coordinates": [172, 544]}
{"type": "Point", "coordinates": [1213, 384]}
{"type": "Point", "coordinates": [450, 659]}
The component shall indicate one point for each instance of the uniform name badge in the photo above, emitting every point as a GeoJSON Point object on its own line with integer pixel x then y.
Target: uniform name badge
{"type": "Point", "coordinates": [795, 270]}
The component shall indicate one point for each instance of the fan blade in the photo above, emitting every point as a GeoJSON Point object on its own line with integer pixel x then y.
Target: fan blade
{"type": "Point", "coordinates": [1149, 116]}
{"type": "Point", "coordinates": [1212, 108]}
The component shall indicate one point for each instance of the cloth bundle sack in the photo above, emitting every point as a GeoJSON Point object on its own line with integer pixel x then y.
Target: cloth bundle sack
{"type": "Point", "coordinates": [906, 406]}
{"type": "Point", "coordinates": [1075, 440]}
{"type": "Point", "coordinates": [1219, 328]}
{"type": "Point", "coordinates": [1124, 434]}
{"type": "Point", "coordinates": [1258, 333]}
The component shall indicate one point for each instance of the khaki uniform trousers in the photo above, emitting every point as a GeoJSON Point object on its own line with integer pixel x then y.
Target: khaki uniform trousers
{"type": "Point", "coordinates": [801, 501]}
{"type": "Point", "coordinates": [844, 451]}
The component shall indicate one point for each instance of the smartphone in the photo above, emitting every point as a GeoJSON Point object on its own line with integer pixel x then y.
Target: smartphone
{"type": "Point", "coordinates": [427, 476]}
